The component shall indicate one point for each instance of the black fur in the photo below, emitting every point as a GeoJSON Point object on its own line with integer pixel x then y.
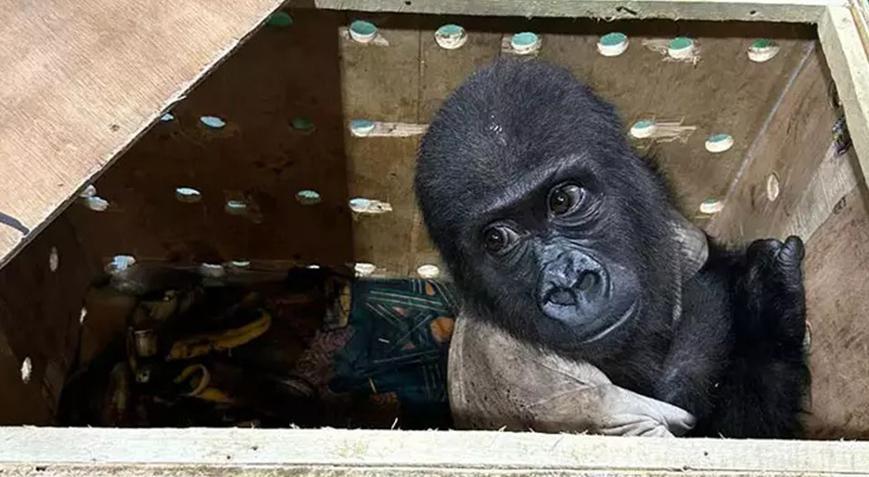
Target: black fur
{"type": "Point", "coordinates": [499, 145]}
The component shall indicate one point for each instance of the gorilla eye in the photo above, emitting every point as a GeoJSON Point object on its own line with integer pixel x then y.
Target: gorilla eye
{"type": "Point", "coordinates": [565, 198]}
{"type": "Point", "coordinates": [498, 238]}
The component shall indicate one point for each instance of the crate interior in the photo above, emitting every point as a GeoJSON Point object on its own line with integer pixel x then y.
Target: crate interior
{"type": "Point", "coordinates": [273, 184]}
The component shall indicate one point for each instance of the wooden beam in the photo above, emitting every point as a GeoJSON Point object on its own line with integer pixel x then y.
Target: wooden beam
{"type": "Point", "coordinates": [82, 79]}
{"type": "Point", "coordinates": [847, 60]}
{"type": "Point", "coordinates": [126, 452]}
{"type": "Point", "coordinates": [798, 11]}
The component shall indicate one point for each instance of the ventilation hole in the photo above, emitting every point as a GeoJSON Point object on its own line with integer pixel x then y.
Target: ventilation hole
{"type": "Point", "coordinates": [752, 13]}
{"type": "Point", "coordinates": [88, 191]}
{"type": "Point", "coordinates": [26, 370]}
{"type": "Point", "coordinates": [280, 20]}
{"type": "Point", "coordinates": [361, 205]}
{"type": "Point", "coordinates": [718, 143]}
{"type": "Point", "coordinates": [235, 207]}
{"type": "Point", "coordinates": [188, 195]}
{"type": "Point", "coordinates": [587, 281]}
{"type": "Point", "coordinates": [53, 259]}
{"type": "Point", "coordinates": [711, 206]}
{"type": "Point", "coordinates": [428, 271]}
{"type": "Point", "coordinates": [450, 37]}
{"type": "Point", "coordinates": [525, 43]}
{"type": "Point", "coordinates": [304, 125]}
{"type": "Point", "coordinates": [308, 197]}
{"type": "Point", "coordinates": [612, 44]}
{"type": "Point", "coordinates": [807, 339]}
{"type": "Point", "coordinates": [680, 48]}
{"type": "Point", "coordinates": [211, 270]}
{"type": "Point", "coordinates": [773, 188]}
{"type": "Point", "coordinates": [83, 315]}
{"type": "Point", "coordinates": [762, 50]}
{"type": "Point", "coordinates": [643, 128]}
{"type": "Point", "coordinates": [364, 269]}
{"type": "Point", "coordinates": [120, 263]}
{"type": "Point", "coordinates": [167, 118]}
{"type": "Point", "coordinates": [362, 31]}
{"type": "Point", "coordinates": [361, 127]}
{"type": "Point", "coordinates": [95, 203]}
{"type": "Point", "coordinates": [212, 122]}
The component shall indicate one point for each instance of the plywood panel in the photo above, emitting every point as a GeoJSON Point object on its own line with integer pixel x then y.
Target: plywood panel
{"type": "Point", "coordinates": [723, 92]}
{"type": "Point", "coordinates": [837, 295]}
{"type": "Point", "coordinates": [81, 79]}
{"type": "Point", "coordinates": [41, 296]}
{"type": "Point", "coordinates": [796, 140]}
{"type": "Point", "coordinates": [381, 83]}
{"type": "Point", "coordinates": [283, 74]}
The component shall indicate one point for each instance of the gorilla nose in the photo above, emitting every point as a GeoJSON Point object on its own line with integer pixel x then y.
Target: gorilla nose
{"type": "Point", "coordinates": [561, 296]}
{"type": "Point", "coordinates": [573, 287]}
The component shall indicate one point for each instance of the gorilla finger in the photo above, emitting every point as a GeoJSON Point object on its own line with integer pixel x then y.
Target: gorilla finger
{"type": "Point", "coordinates": [794, 249]}
{"type": "Point", "coordinates": [763, 249]}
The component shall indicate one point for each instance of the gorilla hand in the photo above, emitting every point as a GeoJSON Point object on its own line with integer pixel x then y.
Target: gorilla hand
{"type": "Point", "coordinates": [774, 295]}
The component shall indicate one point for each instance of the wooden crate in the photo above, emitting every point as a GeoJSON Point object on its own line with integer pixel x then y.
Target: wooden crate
{"type": "Point", "coordinates": [87, 89]}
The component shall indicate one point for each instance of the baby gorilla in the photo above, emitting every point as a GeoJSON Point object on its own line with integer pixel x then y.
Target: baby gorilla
{"type": "Point", "coordinates": [556, 231]}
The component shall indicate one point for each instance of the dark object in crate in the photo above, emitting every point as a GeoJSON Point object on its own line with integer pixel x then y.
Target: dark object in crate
{"type": "Point", "coordinates": [253, 350]}
{"type": "Point", "coordinates": [402, 330]}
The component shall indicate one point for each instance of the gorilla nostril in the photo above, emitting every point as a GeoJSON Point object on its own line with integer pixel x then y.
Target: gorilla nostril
{"type": "Point", "coordinates": [587, 281]}
{"type": "Point", "coordinates": [561, 296]}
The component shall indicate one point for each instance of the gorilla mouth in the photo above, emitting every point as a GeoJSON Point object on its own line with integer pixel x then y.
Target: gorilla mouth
{"type": "Point", "coordinates": [566, 309]}
{"type": "Point", "coordinates": [630, 312]}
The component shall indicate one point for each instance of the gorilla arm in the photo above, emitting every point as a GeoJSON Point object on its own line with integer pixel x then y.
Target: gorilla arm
{"type": "Point", "coordinates": [497, 381]}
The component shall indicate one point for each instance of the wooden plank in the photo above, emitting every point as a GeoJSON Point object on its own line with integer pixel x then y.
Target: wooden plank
{"type": "Point", "coordinates": [860, 12]}
{"type": "Point", "coordinates": [837, 296]}
{"type": "Point", "coordinates": [82, 79]}
{"type": "Point", "coordinates": [381, 83]}
{"type": "Point", "coordinates": [343, 452]}
{"type": "Point", "coordinates": [258, 157]}
{"type": "Point", "coordinates": [801, 11]}
{"type": "Point", "coordinates": [849, 67]}
{"type": "Point", "coordinates": [797, 148]}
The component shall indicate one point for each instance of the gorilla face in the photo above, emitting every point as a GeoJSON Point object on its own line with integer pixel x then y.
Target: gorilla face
{"type": "Point", "coordinates": [555, 242]}
{"type": "Point", "coordinates": [545, 217]}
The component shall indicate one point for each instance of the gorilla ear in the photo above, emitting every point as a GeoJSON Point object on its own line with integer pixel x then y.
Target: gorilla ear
{"type": "Point", "coordinates": [693, 241]}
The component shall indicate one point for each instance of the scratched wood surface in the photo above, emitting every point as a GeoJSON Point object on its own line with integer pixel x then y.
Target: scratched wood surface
{"type": "Point", "coordinates": [837, 295]}
{"type": "Point", "coordinates": [333, 452]}
{"type": "Point", "coordinates": [81, 79]}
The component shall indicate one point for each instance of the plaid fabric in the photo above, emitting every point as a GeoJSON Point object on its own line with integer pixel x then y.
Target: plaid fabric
{"type": "Point", "coordinates": [401, 329]}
